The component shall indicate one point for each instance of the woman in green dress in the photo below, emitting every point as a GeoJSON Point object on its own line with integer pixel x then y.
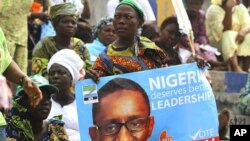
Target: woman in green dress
{"type": "Point", "coordinates": [64, 19]}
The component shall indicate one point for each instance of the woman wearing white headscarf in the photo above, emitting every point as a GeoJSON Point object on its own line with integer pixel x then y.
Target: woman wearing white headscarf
{"type": "Point", "coordinates": [64, 70]}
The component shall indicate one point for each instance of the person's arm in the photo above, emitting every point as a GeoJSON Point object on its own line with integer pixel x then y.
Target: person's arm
{"type": "Point", "coordinates": [245, 24]}
{"type": "Point", "coordinates": [14, 74]}
{"type": "Point", "coordinates": [86, 10]}
{"type": "Point", "coordinates": [227, 22]}
{"type": "Point", "coordinates": [241, 34]}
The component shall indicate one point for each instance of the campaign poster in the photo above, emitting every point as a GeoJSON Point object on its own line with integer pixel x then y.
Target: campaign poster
{"type": "Point", "coordinates": [180, 100]}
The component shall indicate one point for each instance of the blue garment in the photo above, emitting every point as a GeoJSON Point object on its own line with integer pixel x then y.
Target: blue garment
{"type": "Point", "coordinates": [95, 49]}
{"type": "Point", "coordinates": [47, 30]}
{"type": "Point", "coordinates": [2, 133]}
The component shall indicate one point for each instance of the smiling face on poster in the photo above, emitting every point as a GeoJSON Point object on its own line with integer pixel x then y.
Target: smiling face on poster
{"type": "Point", "coordinates": [167, 104]}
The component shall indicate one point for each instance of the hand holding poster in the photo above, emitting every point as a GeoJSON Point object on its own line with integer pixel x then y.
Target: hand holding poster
{"type": "Point", "coordinates": [167, 104]}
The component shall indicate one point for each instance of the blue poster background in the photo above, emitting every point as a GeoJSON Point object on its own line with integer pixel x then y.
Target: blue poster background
{"type": "Point", "coordinates": [183, 104]}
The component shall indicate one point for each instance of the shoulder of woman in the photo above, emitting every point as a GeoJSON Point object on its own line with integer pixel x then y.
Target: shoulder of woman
{"type": "Point", "coordinates": [147, 43]}
{"type": "Point", "coordinates": [77, 41]}
{"type": "Point", "coordinates": [42, 46]}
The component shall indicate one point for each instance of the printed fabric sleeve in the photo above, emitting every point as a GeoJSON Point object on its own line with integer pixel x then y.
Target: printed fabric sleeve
{"type": "Point", "coordinates": [99, 67]}
{"type": "Point", "coordinates": [39, 59]}
{"type": "Point", "coordinates": [56, 131]}
{"type": "Point", "coordinates": [83, 52]}
{"type": "Point", "coordinates": [87, 59]}
{"type": "Point", "coordinates": [163, 57]}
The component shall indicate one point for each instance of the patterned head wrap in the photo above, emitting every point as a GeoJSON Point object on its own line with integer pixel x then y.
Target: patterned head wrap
{"type": "Point", "coordinates": [136, 6]}
{"type": "Point", "coordinates": [65, 9]}
{"type": "Point", "coordinates": [103, 22]}
{"type": "Point", "coordinates": [70, 60]}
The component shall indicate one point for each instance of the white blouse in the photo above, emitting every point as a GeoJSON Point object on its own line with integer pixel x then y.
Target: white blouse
{"type": "Point", "coordinates": [69, 117]}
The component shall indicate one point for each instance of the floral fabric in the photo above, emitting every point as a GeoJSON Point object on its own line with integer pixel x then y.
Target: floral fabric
{"type": "Point", "coordinates": [20, 129]}
{"type": "Point", "coordinates": [117, 61]}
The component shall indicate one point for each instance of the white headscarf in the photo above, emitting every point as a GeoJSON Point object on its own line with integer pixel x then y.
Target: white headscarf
{"type": "Point", "coordinates": [70, 60]}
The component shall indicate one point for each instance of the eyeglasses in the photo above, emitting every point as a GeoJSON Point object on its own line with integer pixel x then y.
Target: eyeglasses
{"type": "Point", "coordinates": [135, 125]}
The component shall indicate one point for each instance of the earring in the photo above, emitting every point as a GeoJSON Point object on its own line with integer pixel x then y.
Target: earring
{"type": "Point", "coordinates": [139, 31]}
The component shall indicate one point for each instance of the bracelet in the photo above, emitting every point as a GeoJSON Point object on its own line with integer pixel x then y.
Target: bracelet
{"type": "Point", "coordinates": [22, 79]}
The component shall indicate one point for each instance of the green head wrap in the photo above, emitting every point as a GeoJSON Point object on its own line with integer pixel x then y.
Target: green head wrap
{"type": "Point", "coordinates": [65, 9]}
{"type": "Point", "coordinates": [135, 6]}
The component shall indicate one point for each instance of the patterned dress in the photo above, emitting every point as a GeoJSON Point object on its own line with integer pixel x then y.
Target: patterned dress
{"type": "Point", "coordinates": [117, 61]}
{"type": "Point", "coordinates": [20, 129]}
{"type": "Point", "coordinates": [46, 47]}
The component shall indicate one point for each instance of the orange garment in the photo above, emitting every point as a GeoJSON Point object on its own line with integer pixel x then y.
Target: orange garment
{"type": "Point", "coordinates": [36, 7]}
{"type": "Point", "coordinates": [124, 60]}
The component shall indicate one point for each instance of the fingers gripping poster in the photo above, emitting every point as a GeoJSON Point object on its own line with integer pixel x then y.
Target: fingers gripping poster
{"type": "Point", "coordinates": [167, 104]}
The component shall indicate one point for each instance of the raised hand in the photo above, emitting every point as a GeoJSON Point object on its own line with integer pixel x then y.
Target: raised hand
{"type": "Point", "coordinates": [32, 91]}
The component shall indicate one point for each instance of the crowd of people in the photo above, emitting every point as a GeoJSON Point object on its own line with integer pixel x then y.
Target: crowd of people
{"type": "Point", "coordinates": [126, 40]}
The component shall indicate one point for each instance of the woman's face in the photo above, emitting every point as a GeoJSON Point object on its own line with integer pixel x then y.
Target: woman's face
{"type": "Point", "coordinates": [60, 77]}
{"type": "Point", "coordinates": [43, 109]}
{"type": "Point", "coordinates": [66, 26]}
{"type": "Point", "coordinates": [126, 21]}
{"type": "Point", "coordinates": [169, 35]}
{"type": "Point", "coordinates": [194, 4]}
{"type": "Point", "coordinates": [107, 34]}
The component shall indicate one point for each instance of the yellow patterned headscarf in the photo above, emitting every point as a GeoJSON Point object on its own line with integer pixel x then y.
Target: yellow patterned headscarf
{"type": "Point", "coordinates": [217, 2]}
{"type": "Point", "coordinates": [65, 9]}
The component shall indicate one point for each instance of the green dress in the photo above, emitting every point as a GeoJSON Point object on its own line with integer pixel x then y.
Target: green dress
{"type": "Point", "coordinates": [5, 60]}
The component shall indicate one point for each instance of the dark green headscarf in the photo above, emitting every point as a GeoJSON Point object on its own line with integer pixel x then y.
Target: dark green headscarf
{"type": "Point", "coordinates": [65, 9]}
{"type": "Point", "coordinates": [135, 6]}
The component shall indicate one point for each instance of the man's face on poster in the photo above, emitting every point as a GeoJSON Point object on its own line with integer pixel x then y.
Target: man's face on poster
{"type": "Point", "coordinates": [122, 115]}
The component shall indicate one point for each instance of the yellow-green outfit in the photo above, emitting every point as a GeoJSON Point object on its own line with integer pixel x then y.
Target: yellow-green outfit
{"type": "Point", "coordinates": [46, 47]}
{"type": "Point", "coordinates": [5, 60]}
{"type": "Point", "coordinates": [225, 40]}
{"type": "Point", "coordinates": [13, 15]}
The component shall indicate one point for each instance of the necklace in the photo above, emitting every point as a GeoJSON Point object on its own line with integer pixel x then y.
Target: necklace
{"type": "Point", "coordinates": [135, 48]}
